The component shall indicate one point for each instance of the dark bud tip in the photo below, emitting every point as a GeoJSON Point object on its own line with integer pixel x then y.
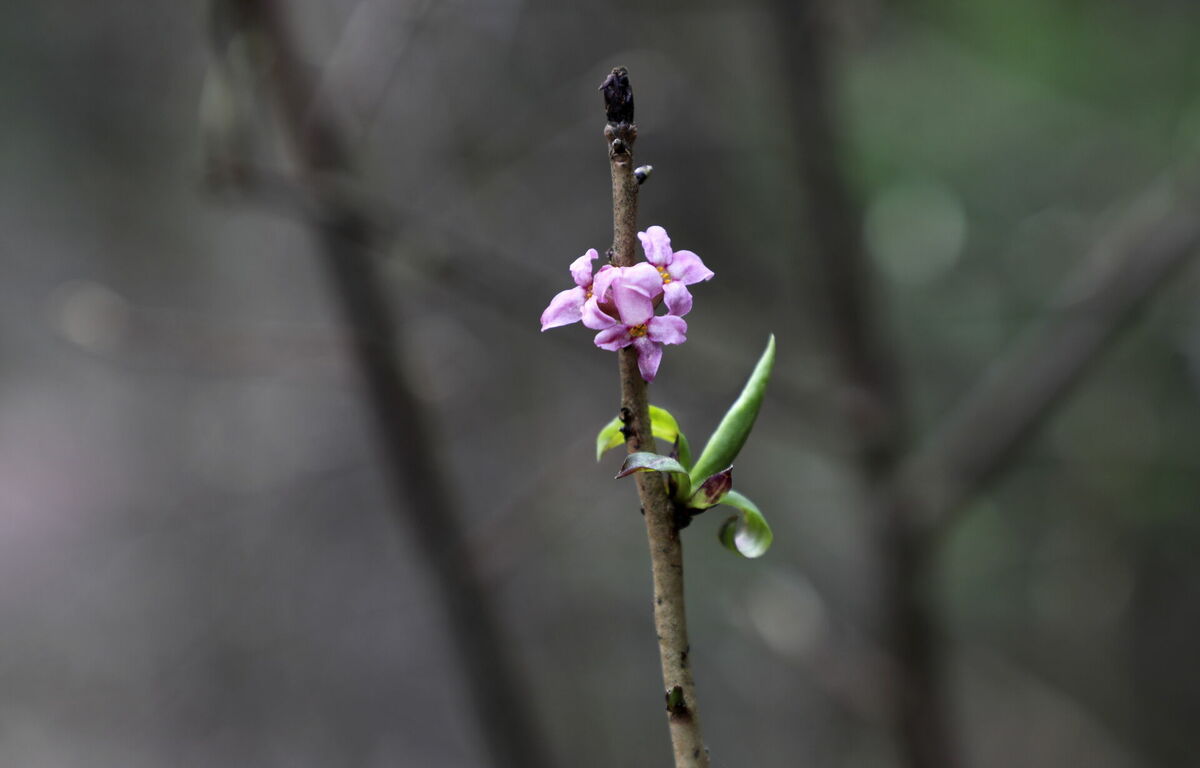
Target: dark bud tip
{"type": "Point", "coordinates": [618, 96]}
{"type": "Point", "coordinates": [642, 172]}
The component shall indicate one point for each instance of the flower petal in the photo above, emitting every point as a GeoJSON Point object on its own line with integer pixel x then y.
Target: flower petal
{"type": "Point", "coordinates": [581, 268]}
{"type": "Point", "coordinates": [667, 329]}
{"type": "Point", "coordinates": [634, 306]}
{"type": "Point", "coordinates": [687, 268]}
{"type": "Point", "coordinates": [677, 298]}
{"type": "Point", "coordinates": [565, 308]}
{"type": "Point", "coordinates": [603, 280]}
{"type": "Point", "coordinates": [649, 356]}
{"type": "Point", "coordinates": [614, 338]}
{"type": "Point", "coordinates": [644, 277]}
{"type": "Point", "coordinates": [657, 245]}
{"type": "Point", "coordinates": [594, 317]}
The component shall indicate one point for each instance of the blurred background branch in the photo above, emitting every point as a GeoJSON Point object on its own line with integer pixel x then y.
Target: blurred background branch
{"type": "Point", "coordinates": [409, 444]}
{"type": "Point", "coordinates": [1128, 266]}
{"type": "Point", "coordinates": [870, 391]}
{"type": "Point", "coordinates": [910, 498]}
{"type": "Point", "coordinates": [194, 566]}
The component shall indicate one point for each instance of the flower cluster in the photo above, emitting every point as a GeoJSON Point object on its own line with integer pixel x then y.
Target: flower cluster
{"type": "Point", "coordinates": [620, 302]}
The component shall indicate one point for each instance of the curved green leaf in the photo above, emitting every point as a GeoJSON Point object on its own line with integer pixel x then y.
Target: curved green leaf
{"type": "Point", "coordinates": [662, 425]}
{"type": "Point", "coordinates": [643, 461]}
{"type": "Point", "coordinates": [747, 533]}
{"type": "Point", "coordinates": [730, 435]}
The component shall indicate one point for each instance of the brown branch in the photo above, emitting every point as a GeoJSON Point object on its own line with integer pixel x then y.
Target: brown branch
{"type": "Point", "coordinates": [662, 530]}
{"type": "Point", "coordinates": [1127, 266]}
{"type": "Point", "coordinates": [406, 437]}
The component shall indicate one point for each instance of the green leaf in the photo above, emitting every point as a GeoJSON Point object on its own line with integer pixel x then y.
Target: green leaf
{"type": "Point", "coordinates": [730, 435]}
{"type": "Point", "coordinates": [610, 437]}
{"type": "Point", "coordinates": [682, 450]}
{"type": "Point", "coordinates": [662, 425]}
{"type": "Point", "coordinates": [712, 490]}
{"type": "Point", "coordinates": [652, 462]}
{"type": "Point", "coordinates": [747, 533]}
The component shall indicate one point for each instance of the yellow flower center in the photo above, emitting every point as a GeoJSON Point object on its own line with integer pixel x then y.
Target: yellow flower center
{"type": "Point", "coordinates": [666, 277]}
{"type": "Point", "coordinates": [638, 330]}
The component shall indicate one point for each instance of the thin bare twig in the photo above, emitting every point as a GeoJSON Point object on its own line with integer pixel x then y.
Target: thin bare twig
{"type": "Point", "coordinates": [662, 530]}
{"type": "Point", "coordinates": [408, 441]}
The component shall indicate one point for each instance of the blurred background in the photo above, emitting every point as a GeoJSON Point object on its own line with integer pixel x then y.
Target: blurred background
{"type": "Point", "coordinates": [209, 556]}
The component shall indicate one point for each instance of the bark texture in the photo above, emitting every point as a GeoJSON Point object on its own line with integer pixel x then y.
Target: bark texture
{"type": "Point", "coordinates": [662, 530]}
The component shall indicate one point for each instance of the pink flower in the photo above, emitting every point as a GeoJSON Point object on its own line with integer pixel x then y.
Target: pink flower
{"type": "Point", "coordinates": [676, 269]}
{"type": "Point", "coordinates": [567, 307]}
{"type": "Point", "coordinates": [633, 291]}
{"type": "Point", "coordinates": [619, 302]}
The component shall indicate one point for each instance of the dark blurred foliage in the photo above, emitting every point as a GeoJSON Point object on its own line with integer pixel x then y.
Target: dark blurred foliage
{"type": "Point", "coordinates": [197, 566]}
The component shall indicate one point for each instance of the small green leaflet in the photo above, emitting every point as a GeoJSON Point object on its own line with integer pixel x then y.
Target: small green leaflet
{"type": "Point", "coordinates": [653, 462]}
{"type": "Point", "coordinates": [747, 533]}
{"type": "Point", "coordinates": [662, 425]}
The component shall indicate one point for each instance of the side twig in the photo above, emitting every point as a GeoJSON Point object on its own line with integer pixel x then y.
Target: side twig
{"type": "Point", "coordinates": [662, 530]}
{"type": "Point", "coordinates": [408, 441]}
